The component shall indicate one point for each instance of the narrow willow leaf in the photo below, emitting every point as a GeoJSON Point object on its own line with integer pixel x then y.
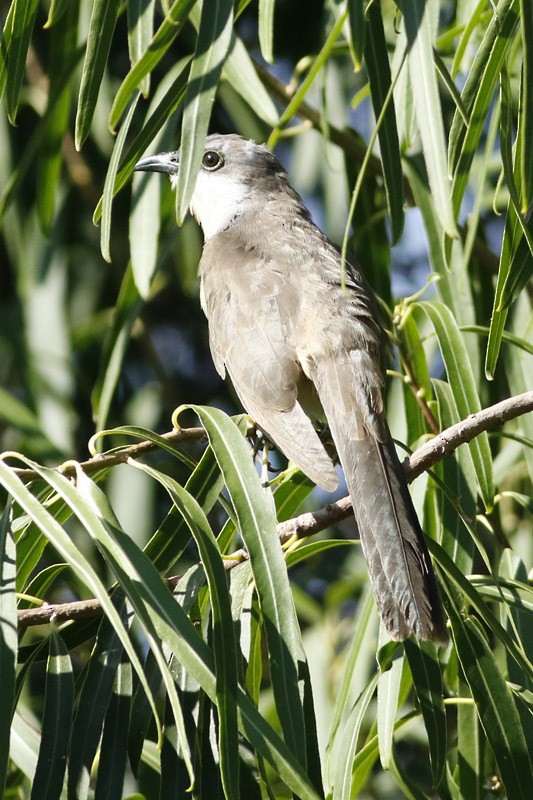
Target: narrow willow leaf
{"type": "Point", "coordinates": [224, 645]}
{"type": "Point", "coordinates": [497, 325]}
{"type": "Point", "coordinates": [162, 40]}
{"type": "Point", "coordinates": [357, 20]}
{"type": "Point", "coordinates": [25, 743]}
{"type": "Point", "coordinates": [110, 180]}
{"type": "Point", "coordinates": [101, 28]}
{"type": "Point", "coordinates": [126, 311]}
{"type": "Point", "coordinates": [140, 32]}
{"type": "Point", "coordinates": [318, 64]}
{"type": "Point", "coordinates": [472, 596]}
{"type": "Point", "coordinates": [40, 584]}
{"type": "Point", "coordinates": [57, 722]}
{"type": "Point", "coordinates": [266, 29]}
{"type": "Point", "coordinates": [427, 682]}
{"type": "Point", "coordinates": [359, 663]}
{"type": "Point", "coordinates": [470, 745]}
{"type": "Point", "coordinates": [114, 747]}
{"type": "Point", "coordinates": [459, 476]}
{"type": "Point", "coordinates": [62, 47]}
{"type": "Point", "coordinates": [258, 528]}
{"type": "Point", "coordinates": [204, 484]}
{"type": "Point", "coordinates": [32, 146]}
{"type": "Point", "coordinates": [65, 546]}
{"type": "Point", "coordinates": [463, 386]}
{"type": "Point", "coordinates": [240, 72]}
{"type": "Point", "coordinates": [8, 635]}
{"type": "Point", "coordinates": [342, 788]}
{"type": "Point", "coordinates": [57, 9]}
{"type": "Point", "coordinates": [291, 492]}
{"type": "Point", "coordinates": [404, 781]}
{"type": "Point", "coordinates": [379, 76]}
{"type": "Point", "coordinates": [428, 109]}
{"type": "Point", "coordinates": [143, 588]}
{"type": "Point", "coordinates": [19, 31]}
{"type": "Point", "coordinates": [526, 105]}
{"type": "Point", "coordinates": [495, 705]}
{"type": "Point", "coordinates": [5, 43]}
{"type": "Point", "coordinates": [148, 594]}
{"type": "Point", "coordinates": [174, 779]}
{"type": "Point", "coordinates": [306, 551]}
{"type": "Point", "coordinates": [212, 44]}
{"type": "Point", "coordinates": [389, 684]}
{"type": "Point", "coordinates": [141, 713]}
{"type": "Point", "coordinates": [478, 95]}
{"type": "Point", "coordinates": [93, 699]}
{"type": "Point", "coordinates": [171, 101]}
{"type": "Point", "coordinates": [471, 25]}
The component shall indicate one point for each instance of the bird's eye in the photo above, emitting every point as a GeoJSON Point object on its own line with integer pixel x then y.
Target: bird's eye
{"type": "Point", "coordinates": [212, 160]}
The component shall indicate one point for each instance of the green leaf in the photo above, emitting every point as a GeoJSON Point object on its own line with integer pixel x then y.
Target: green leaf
{"type": "Point", "coordinates": [240, 72]}
{"type": "Point", "coordinates": [110, 181]}
{"type": "Point", "coordinates": [427, 682]}
{"type": "Point", "coordinates": [32, 146]}
{"type": "Point", "coordinates": [459, 477]}
{"type": "Point", "coordinates": [50, 162]}
{"type": "Point", "coordinates": [224, 645]}
{"type": "Point", "coordinates": [173, 535]}
{"type": "Point", "coordinates": [127, 309]}
{"type": "Point", "coordinates": [357, 20]}
{"type": "Point", "coordinates": [64, 545]}
{"type": "Point", "coordinates": [93, 699]}
{"type": "Point", "coordinates": [342, 789]}
{"type": "Point", "coordinates": [16, 39]}
{"type": "Point", "coordinates": [379, 76]}
{"type": "Point", "coordinates": [114, 746]}
{"type": "Point", "coordinates": [102, 25]}
{"type": "Point", "coordinates": [166, 33]}
{"type": "Point", "coordinates": [427, 107]}
{"type": "Point", "coordinates": [157, 119]}
{"type": "Point", "coordinates": [41, 583]}
{"type": "Point", "coordinates": [463, 386]}
{"type": "Point", "coordinates": [478, 94]}
{"type": "Point", "coordinates": [8, 636]}
{"type": "Point", "coordinates": [140, 32]}
{"type": "Point", "coordinates": [526, 105]}
{"type": "Point", "coordinates": [257, 525]}
{"type": "Point", "coordinates": [212, 44]}
{"type": "Point", "coordinates": [57, 722]}
{"type": "Point", "coordinates": [389, 690]}
{"type": "Point", "coordinates": [266, 29]}
{"type": "Point", "coordinates": [317, 65]}
{"type": "Point", "coordinates": [495, 705]}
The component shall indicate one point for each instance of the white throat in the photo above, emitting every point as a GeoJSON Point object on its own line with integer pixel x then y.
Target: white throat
{"type": "Point", "coordinates": [216, 200]}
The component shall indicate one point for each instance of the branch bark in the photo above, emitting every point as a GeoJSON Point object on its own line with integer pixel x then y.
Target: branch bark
{"type": "Point", "coordinates": [305, 524]}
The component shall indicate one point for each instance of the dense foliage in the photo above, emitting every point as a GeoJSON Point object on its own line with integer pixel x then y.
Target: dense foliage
{"type": "Point", "coordinates": [134, 658]}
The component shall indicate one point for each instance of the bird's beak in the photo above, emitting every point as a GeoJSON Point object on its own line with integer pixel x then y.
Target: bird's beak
{"type": "Point", "coordinates": [162, 162]}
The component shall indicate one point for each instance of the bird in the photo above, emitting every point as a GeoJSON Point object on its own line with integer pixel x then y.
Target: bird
{"type": "Point", "coordinates": [300, 336]}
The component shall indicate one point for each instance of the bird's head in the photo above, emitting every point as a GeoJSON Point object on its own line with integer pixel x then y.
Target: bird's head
{"type": "Point", "coordinates": [236, 175]}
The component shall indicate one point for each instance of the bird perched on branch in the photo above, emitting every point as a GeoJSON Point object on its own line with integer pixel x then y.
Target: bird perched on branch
{"type": "Point", "coordinates": [303, 343]}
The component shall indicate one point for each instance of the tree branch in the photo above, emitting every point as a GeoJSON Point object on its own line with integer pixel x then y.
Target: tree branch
{"type": "Point", "coordinates": [305, 524]}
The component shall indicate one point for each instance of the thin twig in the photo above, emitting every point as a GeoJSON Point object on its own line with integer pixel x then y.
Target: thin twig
{"type": "Point", "coordinates": [116, 457]}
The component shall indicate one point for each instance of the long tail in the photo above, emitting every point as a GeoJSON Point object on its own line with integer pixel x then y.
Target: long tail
{"type": "Point", "coordinates": [398, 561]}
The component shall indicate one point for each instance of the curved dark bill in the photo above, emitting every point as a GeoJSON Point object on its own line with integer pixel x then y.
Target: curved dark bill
{"type": "Point", "coordinates": [162, 162]}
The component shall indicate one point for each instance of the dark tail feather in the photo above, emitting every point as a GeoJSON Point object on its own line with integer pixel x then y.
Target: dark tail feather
{"type": "Point", "coordinates": [398, 560]}
{"type": "Point", "coordinates": [393, 543]}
